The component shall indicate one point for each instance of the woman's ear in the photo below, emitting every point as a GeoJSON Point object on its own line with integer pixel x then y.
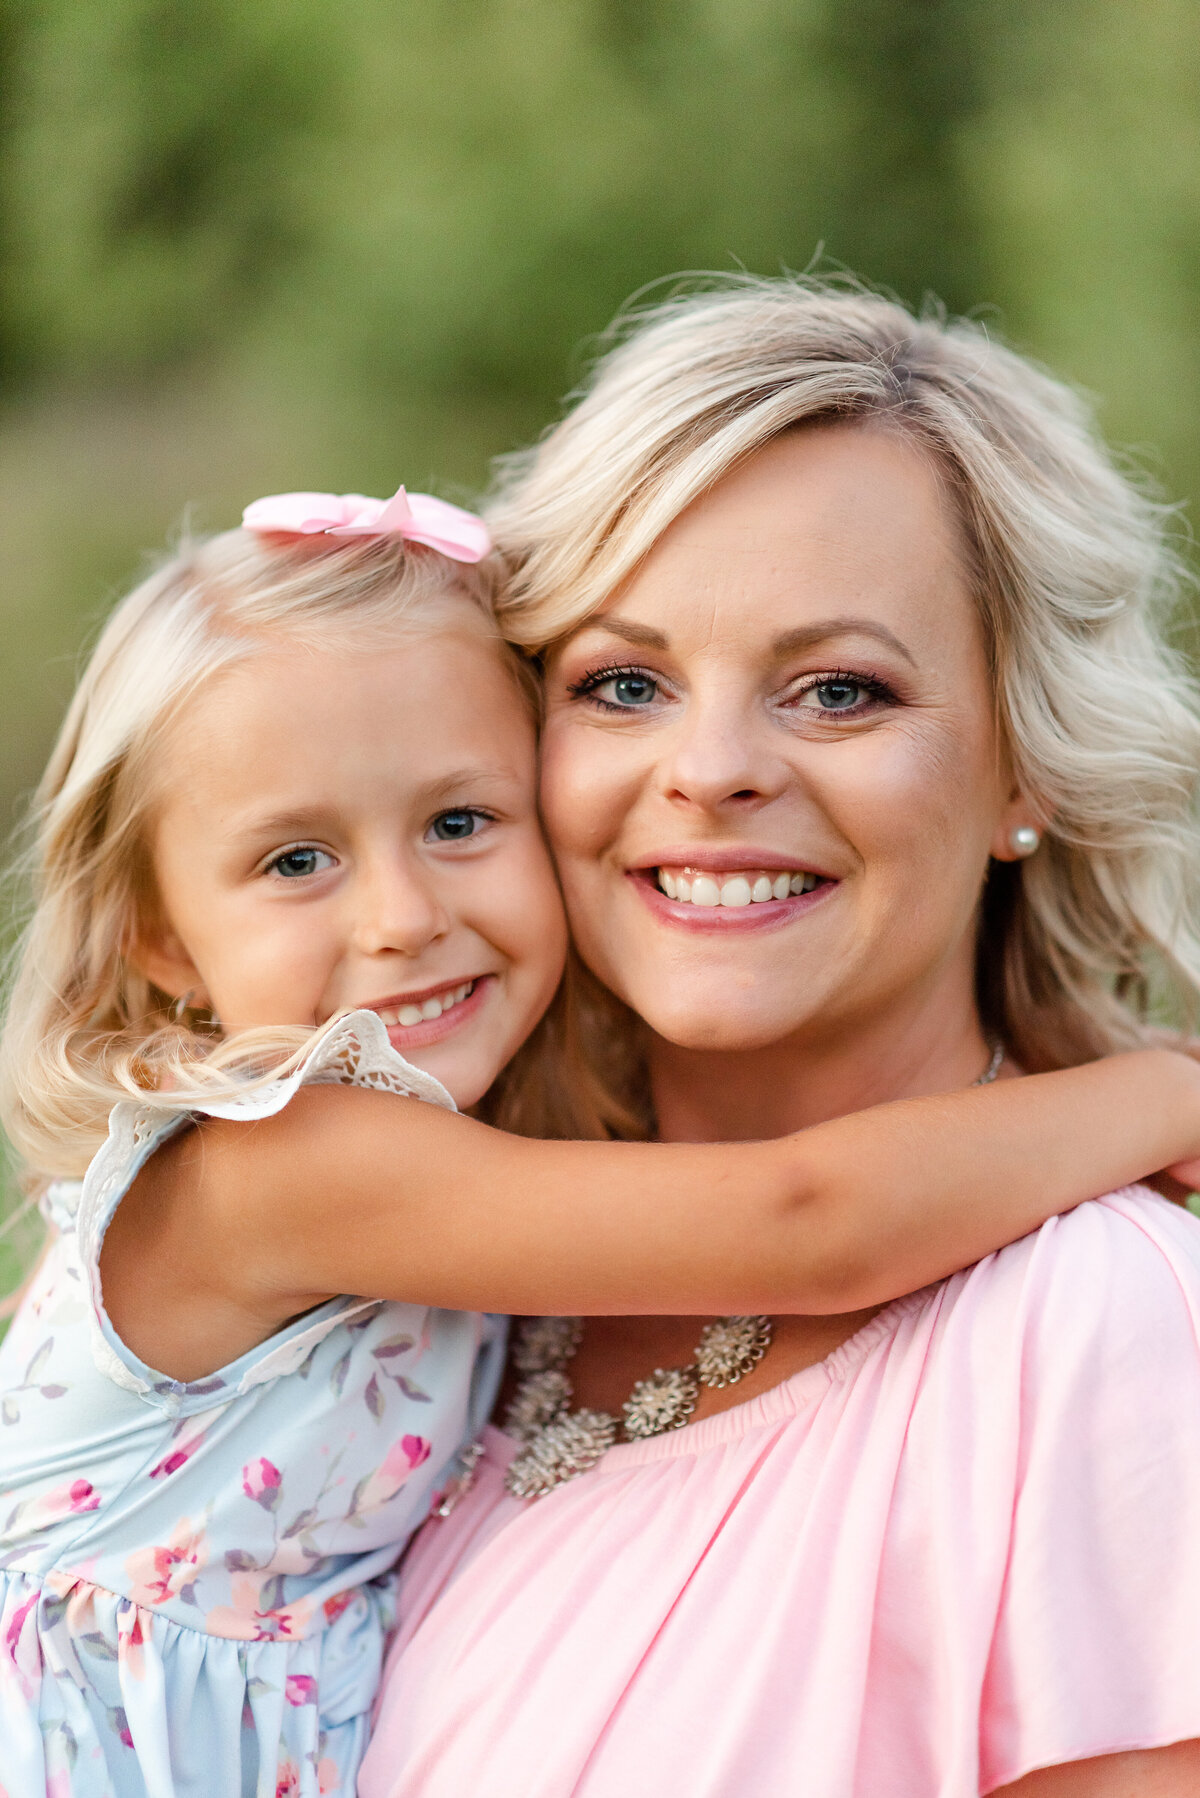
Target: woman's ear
{"type": "Point", "coordinates": [1018, 832]}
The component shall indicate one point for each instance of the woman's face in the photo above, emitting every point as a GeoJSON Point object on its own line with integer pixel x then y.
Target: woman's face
{"type": "Point", "coordinates": [772, 777]}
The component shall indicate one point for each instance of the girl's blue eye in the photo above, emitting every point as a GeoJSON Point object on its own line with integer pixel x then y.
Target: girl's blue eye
{"type": "Point", "coordinates": [454, 827]}
{"type": "Point", "coordinates": [299, 864]}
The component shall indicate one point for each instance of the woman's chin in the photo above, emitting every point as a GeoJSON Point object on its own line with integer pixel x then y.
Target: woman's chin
{"type": "Point", "coordinates": [725, 1029]}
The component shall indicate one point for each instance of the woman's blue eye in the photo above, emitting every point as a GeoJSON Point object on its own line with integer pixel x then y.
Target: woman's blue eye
{"type": "Point", "coordinates": [631, 689]}
{"type": "Point", "coordinates": [298, 864]}
{"type": "Point", "coordinates": [838, 695]}
{"type": "Point", "coordinates": [452, 827]}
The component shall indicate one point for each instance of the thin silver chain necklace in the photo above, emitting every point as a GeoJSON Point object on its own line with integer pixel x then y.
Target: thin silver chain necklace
{"type": "Point", "coordinates": [559, 1443]}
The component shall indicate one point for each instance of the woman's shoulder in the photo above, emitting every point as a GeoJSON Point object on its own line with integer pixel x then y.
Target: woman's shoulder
{"type": "Point", "coordinates": [1130, 1236]}
{"type": "Point", "coordinates": [1114, 1282]}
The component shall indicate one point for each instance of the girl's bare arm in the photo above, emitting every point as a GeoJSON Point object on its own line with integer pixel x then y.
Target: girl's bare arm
{"type": "Point", "coordinates": [234, 1227]}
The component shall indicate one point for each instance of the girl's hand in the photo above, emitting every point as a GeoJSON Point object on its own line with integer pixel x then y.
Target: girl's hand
{"type": "Point", "coordinates": [1187, 1173]}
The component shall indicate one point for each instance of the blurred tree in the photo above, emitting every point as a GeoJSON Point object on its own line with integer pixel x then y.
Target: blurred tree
{"type": "Point", "coordinates": [153, 177]}
{"type": "Point", "coordinates": [246, 247]}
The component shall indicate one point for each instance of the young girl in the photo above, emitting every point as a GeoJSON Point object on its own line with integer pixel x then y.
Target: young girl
{"type": "Point", "coordinates": [289, 839]}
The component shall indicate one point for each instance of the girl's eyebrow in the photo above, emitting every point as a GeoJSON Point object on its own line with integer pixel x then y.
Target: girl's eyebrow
{"type": "Point", "coordinates": [278, 824]}
{"type": "Point", "coordinates": [451, 785]}
{"type": "Point", "coordinates": [320, 814]}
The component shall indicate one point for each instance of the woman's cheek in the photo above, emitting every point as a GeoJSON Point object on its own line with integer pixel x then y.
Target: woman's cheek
{"type": "Point", "coordinates": [907, 795]}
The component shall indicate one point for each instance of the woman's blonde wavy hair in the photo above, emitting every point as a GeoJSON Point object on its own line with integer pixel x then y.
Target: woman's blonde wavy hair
{"type": "Point", "coordinates": [1074, 573]}
{"type": "Point", "coordinates": [84, 1028]}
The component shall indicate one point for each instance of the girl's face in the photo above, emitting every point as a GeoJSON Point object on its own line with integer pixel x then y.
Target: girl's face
{"type": "Point", "coordinates": [771, 775]}
{"type": "Point", "coordinates": [358, 828]}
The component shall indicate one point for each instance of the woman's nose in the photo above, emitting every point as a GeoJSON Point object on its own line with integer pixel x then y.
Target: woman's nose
{"type": "Point", "coordinates": [719, 756]}
{"type": "Point", "coordinates": [398, 910]}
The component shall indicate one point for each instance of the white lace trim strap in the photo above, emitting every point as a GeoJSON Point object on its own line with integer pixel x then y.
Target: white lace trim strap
{"type": "Point", "coordinates": [352, 1051]}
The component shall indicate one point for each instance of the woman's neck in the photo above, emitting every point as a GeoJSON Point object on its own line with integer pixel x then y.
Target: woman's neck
{"type": "Point", "coordinates": [753, 1094]}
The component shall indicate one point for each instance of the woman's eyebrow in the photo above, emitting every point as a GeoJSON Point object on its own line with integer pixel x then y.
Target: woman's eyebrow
{"type": "Point", "coordinates": [643, 635]}
{"type": "Point", "coordinates": [809, 636]}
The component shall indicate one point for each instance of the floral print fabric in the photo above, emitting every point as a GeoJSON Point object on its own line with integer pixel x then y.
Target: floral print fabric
{"type": "Point", "coordinates": [194, 1588]}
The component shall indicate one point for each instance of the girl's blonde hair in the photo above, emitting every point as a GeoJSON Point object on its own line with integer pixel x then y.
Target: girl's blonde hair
{"type": "Point", "coordinates": [1073, 571]}
{"type": "Point", "coordinates": [84, 1028]}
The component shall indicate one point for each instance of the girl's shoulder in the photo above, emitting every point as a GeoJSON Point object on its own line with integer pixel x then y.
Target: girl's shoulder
{"type": "Point", "coordinates": [352, 1051]}
{"type": "Point", "coordinates": [271, 1485]}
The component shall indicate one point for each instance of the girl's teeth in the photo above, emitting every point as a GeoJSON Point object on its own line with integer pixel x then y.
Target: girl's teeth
{"type": "Point", "coordinates": [735, 889]}
{"type": "Point", "coordinates": [428, 1009]}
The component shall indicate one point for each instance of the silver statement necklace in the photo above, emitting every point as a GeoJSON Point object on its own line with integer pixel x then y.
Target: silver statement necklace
{"type": "Point", "coordinates": [559, 1443]}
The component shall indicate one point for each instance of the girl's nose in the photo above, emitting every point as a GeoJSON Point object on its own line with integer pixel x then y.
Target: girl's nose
{"type": "Point", "coordinates": [398, 910]}
{"type": "Point", "coordinates": [719, 756]}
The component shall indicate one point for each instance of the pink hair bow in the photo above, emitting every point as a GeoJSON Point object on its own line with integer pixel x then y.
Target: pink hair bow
{"type": "Point", "coordinates": [417, 517]}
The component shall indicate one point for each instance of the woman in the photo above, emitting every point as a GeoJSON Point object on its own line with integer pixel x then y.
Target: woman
{"type": "Point", "coordinates": [830, 593]}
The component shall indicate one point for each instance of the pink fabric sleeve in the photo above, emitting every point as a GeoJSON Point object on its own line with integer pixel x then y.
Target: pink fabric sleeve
{"type": "Point", "coordinates": [1094, 1649]}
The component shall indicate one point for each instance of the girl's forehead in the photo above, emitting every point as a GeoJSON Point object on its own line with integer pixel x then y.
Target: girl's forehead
{"type": "Point", "coordinates": [327, 717]}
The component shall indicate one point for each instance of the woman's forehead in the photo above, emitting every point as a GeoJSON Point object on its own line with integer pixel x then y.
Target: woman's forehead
{"type": "Point", "coordinates": [827, 531]}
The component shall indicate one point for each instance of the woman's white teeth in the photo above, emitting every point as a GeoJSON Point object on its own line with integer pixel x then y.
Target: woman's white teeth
{"type": "Point", "coordinates": [428, 1009]}
{"type": "Point", "coordinates": [754, 887]}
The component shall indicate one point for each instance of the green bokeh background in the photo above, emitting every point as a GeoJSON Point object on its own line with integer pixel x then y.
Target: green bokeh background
{"type": "Point", "coordinates": [248, 245]}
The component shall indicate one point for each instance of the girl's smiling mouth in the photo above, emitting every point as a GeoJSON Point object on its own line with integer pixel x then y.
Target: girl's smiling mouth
{"type": "Point", "coordinates": [414, 1020]}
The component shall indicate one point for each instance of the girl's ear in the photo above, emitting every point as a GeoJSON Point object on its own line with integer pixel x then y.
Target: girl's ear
{"type": "Point", "coordinates": [161, 958]}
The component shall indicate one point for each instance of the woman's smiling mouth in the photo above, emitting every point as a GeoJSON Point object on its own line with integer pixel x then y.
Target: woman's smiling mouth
{"type": "Point", "coordinates": [712, 889]}
{"type": "Point", "coordinates": [753, 886]}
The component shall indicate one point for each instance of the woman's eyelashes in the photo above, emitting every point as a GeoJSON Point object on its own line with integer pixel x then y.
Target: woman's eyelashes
{"type": "Point", "coordinates": [842, 694]}
{"type": "Point", "coordinates": [837, 694]}
{"type": "Point", "coordinates": [617, 689]}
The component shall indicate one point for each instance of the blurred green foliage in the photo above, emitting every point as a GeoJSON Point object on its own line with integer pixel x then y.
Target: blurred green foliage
{"type": "Point", "coordinates": [300, 244]}
{"type": "Point", "coordinates": [246, 247]}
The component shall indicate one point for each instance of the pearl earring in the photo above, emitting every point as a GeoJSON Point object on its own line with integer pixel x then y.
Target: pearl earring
{"type": "Point", "coordinates": [1024, 840]}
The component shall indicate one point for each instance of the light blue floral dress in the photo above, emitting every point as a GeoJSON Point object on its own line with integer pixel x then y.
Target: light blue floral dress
{"type": "Point", "coordinates": [194, 1588]}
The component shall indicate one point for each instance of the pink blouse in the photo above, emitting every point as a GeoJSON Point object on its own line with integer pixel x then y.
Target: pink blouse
{"type": "Point", "coordinates": [964, 1546]}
